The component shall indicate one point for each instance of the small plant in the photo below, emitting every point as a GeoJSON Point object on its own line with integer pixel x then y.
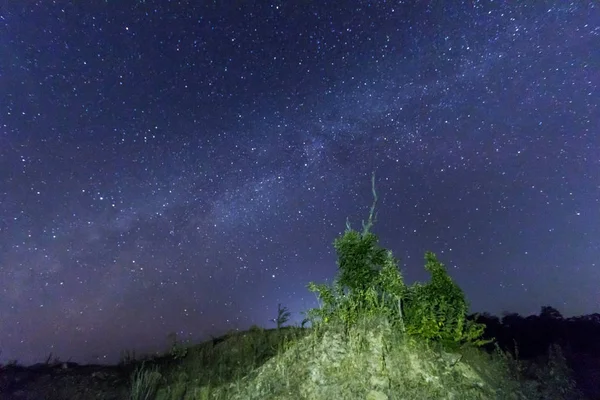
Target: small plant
{"type": "Point", "coordinates": [178, 350]}
{"type": "Point", "coordinates": [283, 315]}
{"type": "Point", "coordinates": [304, 322]}
{"type": "Point", "coordinates": [144, 383]}
{"type": "Point", "coordinates": [127, 357]}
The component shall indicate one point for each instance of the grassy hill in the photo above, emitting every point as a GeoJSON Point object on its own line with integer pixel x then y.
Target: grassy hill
{"type": "Point", "coordinates": [372, 338]}
{"type": "Point", "coordinates": [370, 361]}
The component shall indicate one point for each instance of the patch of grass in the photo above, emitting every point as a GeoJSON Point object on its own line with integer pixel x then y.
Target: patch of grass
{"type": "Point", "coordinates": [144, 383]}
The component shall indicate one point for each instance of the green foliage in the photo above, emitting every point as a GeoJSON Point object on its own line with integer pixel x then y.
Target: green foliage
{"type": "Point", "coordinates": [178, 350]}
{"type": "Point", "coordinates": [369, 283]}
{"type": "Point", "coordinates": [328, 303]}
{"type": "Point", "coordinates": [438, 310]}
{"type": "Point", "coordinates": [144, 383]}
{"type": "Point", "coordinates": [358, 258]}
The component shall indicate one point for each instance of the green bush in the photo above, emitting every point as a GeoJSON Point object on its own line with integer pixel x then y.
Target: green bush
{"type": "Point", "coordinates": [369, 283]}
{"type": "Point", "coordinates": [438, 310]}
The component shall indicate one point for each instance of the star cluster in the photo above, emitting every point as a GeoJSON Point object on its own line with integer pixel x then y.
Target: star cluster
{"type": "Point", "coordinates": [181, 166]}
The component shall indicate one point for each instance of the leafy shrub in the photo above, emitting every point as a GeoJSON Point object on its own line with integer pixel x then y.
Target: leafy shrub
{"type": "Point", "coordinates": [178, 350]}
{"type": "Point", "coordinates": [369, 283]}
{"type": "Point", "coordinates": [438, 310]}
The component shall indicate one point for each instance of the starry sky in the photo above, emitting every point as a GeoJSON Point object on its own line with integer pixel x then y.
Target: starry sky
{"type": "Point", "coordinates": [184, 166]}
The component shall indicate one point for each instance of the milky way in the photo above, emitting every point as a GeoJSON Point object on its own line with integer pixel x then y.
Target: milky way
{"type": "Point", "coordinates": [177, 167]}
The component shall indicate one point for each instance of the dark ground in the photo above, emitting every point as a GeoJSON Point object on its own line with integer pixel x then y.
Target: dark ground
{"type": "Point", "coordinates": [64, 381]}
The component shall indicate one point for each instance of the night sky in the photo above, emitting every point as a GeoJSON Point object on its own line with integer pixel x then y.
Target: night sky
{"type": "Point", "coordinates": [184, 166]}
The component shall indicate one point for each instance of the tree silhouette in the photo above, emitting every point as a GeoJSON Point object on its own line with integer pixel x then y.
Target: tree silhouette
{"type": "Point", "coordinates": [283, 315]}
{"type": "Point", "coordinates": [550, 313]}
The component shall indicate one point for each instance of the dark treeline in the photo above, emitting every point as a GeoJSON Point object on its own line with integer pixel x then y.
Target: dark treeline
{"type": "Point", "coordinates": [530, 339]}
